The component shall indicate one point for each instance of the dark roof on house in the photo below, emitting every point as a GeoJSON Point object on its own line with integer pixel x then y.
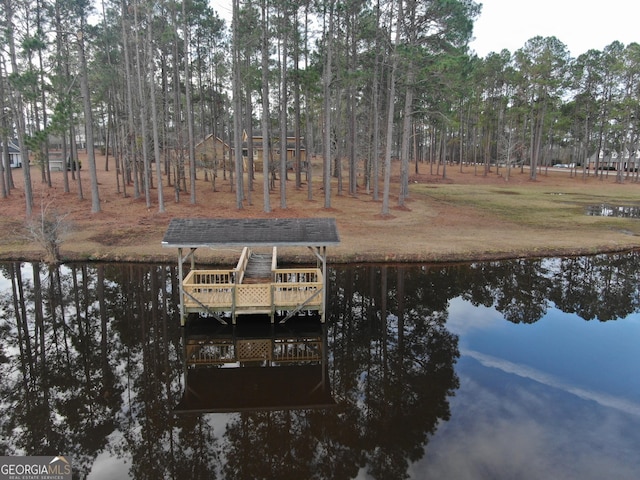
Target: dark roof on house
{"type": "Point", "coordinates": [13, 146]}
{"type": "Point", "coordinates": [248, 232]}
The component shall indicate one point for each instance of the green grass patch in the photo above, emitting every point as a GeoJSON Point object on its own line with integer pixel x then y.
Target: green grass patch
{"type": "Point", "coordinates": [538, 205]}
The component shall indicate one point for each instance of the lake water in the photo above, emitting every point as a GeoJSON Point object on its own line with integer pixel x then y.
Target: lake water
{"type": "Point", "coordinates": [525, 369]}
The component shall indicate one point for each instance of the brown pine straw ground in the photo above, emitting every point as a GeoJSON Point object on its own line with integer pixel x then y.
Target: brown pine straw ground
{"type": "Point", "coordinates": [459, 217]}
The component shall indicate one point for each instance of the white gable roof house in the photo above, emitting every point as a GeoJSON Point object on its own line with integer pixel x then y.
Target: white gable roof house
{"type": "Point", "coordinates": [15, 158]}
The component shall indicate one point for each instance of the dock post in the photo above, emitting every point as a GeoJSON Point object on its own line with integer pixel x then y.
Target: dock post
{"type": "Point", "coordinates": [181, 278]}
{"type": "Point", "coordinates": [233, 304]}
{"type": "Point", "coordinates": [324, 284]}
{"type": "Point", "coordinates": [272, 301]}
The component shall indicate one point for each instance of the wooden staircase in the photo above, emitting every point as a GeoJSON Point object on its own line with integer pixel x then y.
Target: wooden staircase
{"type": "Point", "coordinates": [258, 268]}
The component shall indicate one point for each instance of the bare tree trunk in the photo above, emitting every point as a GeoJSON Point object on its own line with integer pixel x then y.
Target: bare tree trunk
{"type": "Point", "coordinates": [129, 157]}
{"type": "Point", "coordinates": [390, 113]}
{"type": "Point", "coordinates": [88, 118]}
{"type": "Point", "coordinates": [327, 111]}
{"type": "Point", "coordinates": [5, 166]}
{"type": "Point", "coordinates": [189, 109]}
{"type": "Point", "coordinates": [406, 137]}
{"type": "Point", "coordinates": [18, 110]}
{"type": "Point", "coordinates": [154, 118]}
{"type": "Point", "coordinates": [74, 160]}
{"type": "Point", "coordinates": [352, 106]}
{"type": "Point", "coordinates": [309, 141]}
{"type": "Point", "coordinates": [250, 159]}
{"type": "Point", "coordinates": [143, 110]}
{"type": "Point", "coordinates": [283, 114]}
{"type": "Point", "coordinates": [296, 103]}
{"type": "Point", "coordinates": [375, 154]}
{"type": "Point", "coordinates": [266, 170]}
{"type": "Point", "coordinates": [237, 106]}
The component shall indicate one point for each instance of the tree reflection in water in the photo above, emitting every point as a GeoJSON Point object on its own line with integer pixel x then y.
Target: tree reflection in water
{"type": "Point", "coordinates": [91, 361]}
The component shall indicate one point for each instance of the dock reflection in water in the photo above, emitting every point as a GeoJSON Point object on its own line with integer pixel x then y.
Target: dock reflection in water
{"type": "Point", "coordinates": [255, 366]}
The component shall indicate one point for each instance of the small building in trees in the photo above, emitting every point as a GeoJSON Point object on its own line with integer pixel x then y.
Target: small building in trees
{"type": "Point", "coordinates": [212, 152]}
{"type": "Point", "coordinates": [274, 149]}
{"type": "Point", "coordinates": [15, 157]}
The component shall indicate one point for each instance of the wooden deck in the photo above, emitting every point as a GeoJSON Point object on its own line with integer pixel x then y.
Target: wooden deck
{"type": "Point", "coordinates": [257, 285]}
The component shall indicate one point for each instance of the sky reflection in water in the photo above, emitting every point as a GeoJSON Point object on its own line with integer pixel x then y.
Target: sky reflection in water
{"type": "Point", "coordinates": [559, 398]}
{"type": "Point", "coordinates": [462, 393]}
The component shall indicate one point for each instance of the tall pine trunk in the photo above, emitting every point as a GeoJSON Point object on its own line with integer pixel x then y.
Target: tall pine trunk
{"type": "Point", "coordinates": [189, 109]}
{"type": "Point", "coordinates": [237, 106]}
{"type": "Point", "coordinates": [154, 118]}
{"type": "Point", "coordinates": [266, 147]}
{"type": "Point", "coordinates": [390, 114]}
{"type": "Point", "coordinates": [326, 90]}
{"type": "Point", "coordinates": [88, 118]}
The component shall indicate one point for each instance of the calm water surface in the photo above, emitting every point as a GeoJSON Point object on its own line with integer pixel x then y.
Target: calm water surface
{"type": "Point", "coordinates": [525, 369]}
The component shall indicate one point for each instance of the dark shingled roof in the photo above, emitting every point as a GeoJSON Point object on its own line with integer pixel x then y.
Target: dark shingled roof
{"type": "Point", "coordinates": [248, 232]}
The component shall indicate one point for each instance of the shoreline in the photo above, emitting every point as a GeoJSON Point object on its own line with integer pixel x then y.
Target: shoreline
{"type": "Point", "coordinates": [460, 218]}
{"type": "Point", "coordinates": [332, 259]}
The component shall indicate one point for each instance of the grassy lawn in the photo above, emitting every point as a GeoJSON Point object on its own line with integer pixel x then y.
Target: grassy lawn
{"type": "Point", "coordinates": [540, 205]}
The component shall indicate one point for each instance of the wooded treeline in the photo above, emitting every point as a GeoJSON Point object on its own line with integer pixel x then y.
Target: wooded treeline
{"type": "Point", "coordinates": [364, 83]}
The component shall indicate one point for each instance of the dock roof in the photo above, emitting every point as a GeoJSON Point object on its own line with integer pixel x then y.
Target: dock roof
{"type": "Point", "coordinates": [252, 389]}
{"type": "Point", "coordinates": [250, 232]}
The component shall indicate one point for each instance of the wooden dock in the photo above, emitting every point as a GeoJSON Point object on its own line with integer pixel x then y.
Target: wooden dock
{"type": "Point", "coordinates": [256, 285]}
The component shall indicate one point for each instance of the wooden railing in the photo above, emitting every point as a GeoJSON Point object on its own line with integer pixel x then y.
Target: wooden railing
{"type": "Point", "coordinates": [218, 290]}
{"type": "Point", "coordinates": [281, 350]}
{"type": "Point", "coordinates": [297, 350]}
{"type": "Point", "coordinates": [241, 267]}
{"type": "Point", "coordinates": [274, 259]}
{"type": "Point", "coordinates": [210, 352]}
{"type": "Point", "coordinates": [212, 288]}
{"type": "Point", "coordinates": [297, 286]}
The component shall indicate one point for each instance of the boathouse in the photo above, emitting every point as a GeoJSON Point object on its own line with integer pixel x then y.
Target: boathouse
{"type": "Point", "coordinates": [257, 284]}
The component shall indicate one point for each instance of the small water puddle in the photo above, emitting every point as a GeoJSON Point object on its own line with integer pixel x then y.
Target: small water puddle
{"type": "Point", "coordinates": [606, 210]}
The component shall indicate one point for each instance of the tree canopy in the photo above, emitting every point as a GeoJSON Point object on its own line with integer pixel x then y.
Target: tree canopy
{"type": "Point", "coordinates": [362, 83]}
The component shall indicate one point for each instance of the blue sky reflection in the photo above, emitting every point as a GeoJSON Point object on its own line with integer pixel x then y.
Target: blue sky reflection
{"type": "Point", "coordinates": [559, 398]}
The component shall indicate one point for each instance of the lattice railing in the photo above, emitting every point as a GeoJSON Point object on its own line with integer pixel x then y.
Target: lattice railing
{"type": "Point", "coordinates": [254, 350]}
{"type": "Point", "coordinates": [253, 295]}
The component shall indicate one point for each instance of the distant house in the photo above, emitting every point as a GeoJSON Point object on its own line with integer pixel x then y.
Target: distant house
{"type": "Point", "coordinates": [615, 161]}
{"type": "Point", "coordinates": [259, 149]}
{"type": "Point", "coordinates": [15, 157]}
{"type": "Point", "coordinates": [211, 152]}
